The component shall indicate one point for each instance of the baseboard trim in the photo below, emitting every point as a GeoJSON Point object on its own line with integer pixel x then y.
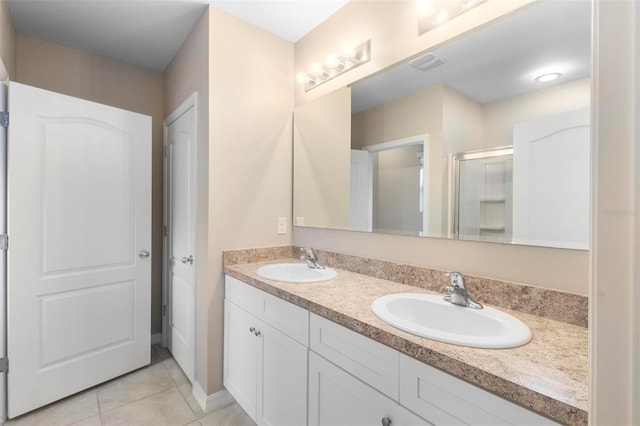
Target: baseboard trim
{"type": "Point", "coordinates": [156, 338]}
{"type": "Point", "coordinates": [211, 402]}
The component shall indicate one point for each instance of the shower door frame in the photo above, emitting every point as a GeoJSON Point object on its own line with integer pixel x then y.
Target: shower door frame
{"type": "Point", "coordinates": [454, 178]}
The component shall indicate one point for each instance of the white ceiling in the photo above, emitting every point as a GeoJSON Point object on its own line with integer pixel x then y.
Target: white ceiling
{"type": "Point", "coordinates": [498, 61]}
{"type": "Point", "coordinates": [148, 33]}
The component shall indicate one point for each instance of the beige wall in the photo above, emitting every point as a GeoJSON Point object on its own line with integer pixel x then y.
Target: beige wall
{"type": "Point", "coordinates": [188, 72]}
{"type": "Point", "coordinates": [462, 123]}
{"type": "Point", "coordinates": [615, 270]}
{"type": "Point", "coordinates": [391, 26]}
{"type": "Point", "coordinates": [322, 134]}
{"type": "Point", "coordinates": [250, 118]}
{"type": "Point", "coordinates": [83, 75]}
{"type": "Point", "coordinates": [411, 115]}
{"type": "Point", "coordinates": [500, 116]}
{"type": "Point", "coordinates": [7, 40]}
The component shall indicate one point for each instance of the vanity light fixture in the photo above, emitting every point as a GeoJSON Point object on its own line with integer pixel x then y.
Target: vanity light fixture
{"type": "Point", "coordinates": [335, 65]}
{"type": "Point", "coordinates": [432, 13]}
{"type": "Point", "coordinates": [548, 77]}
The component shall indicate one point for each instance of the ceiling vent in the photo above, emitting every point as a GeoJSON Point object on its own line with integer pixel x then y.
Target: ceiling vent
{"type": "Point", "coordinates": [427, 62]}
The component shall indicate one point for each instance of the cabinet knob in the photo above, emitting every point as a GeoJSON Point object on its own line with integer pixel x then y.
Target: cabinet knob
{"type": "Point", "coordinates": [257, 333]}
{"type": "Point", "coordinates": [386, 421]}
{"type": "Point", "coordinates": [252, 330]}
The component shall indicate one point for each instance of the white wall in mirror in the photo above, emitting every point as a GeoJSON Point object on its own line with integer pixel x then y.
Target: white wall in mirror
{"type": "Point", "coordinates": [484, 88]}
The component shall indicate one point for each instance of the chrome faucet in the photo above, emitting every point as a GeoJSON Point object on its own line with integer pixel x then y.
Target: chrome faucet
{"type": "Point", "coordinates": [311, 258]}
{"type": "Point", "coordinates": [457, 292]}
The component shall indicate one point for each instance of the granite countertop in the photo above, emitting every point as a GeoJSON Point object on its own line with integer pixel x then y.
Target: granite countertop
{"type": "Point", "coordinates": [548, 375]}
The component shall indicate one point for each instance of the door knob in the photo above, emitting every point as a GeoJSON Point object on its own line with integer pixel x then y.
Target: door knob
{"type": "Point", "coordinates": [186, 260]}
{"type": "Point", "coordinates": [143, 254]}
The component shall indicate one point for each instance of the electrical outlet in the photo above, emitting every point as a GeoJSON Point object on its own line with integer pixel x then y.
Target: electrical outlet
{"type": "Point", "coordinates": [282, 225]}
{"type": "Point", "coordinates": [300, 221]}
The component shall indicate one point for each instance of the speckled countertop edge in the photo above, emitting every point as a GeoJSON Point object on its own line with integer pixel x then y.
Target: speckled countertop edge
{"type": "Point", "coordinates": [548, 375]}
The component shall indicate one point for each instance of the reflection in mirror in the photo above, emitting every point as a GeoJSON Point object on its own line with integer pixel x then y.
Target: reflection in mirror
{"type": "Point", "coordinates": [483, 195]}
{"type": "Point", "coordinates": [464, 99]}
{"type": "Point", "coordinates": [387, 187]}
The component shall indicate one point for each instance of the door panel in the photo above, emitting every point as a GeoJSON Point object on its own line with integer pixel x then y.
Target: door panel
{"type": "Point", "coordinates": [181, 145]}
{"type": "Point", "coordinates": [79, 212]}
{"type": "Point", "coordinates": [86, 200]}
{"type": "Point", "coordinates": [240, 357]}
{"type": "Point", "coordinates": [551, 181]}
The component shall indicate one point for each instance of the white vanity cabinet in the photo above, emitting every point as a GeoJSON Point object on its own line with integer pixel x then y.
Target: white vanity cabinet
{"type": "Point", "coordinates": [285, 366]}
{"type": "Point", "coordinates": [265, 355]}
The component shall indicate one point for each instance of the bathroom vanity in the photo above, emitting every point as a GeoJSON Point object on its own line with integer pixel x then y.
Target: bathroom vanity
{"type": "Point", "coordinates": [316, 354]}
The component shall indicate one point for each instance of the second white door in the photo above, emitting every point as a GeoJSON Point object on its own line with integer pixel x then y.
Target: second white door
{"type": "Point", "coordinates": [181, 220]}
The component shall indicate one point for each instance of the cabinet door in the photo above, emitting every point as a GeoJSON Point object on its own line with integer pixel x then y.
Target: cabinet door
{"type": "Point", "coordinates": [282, 386]}
{"type": "Point", "coordinates": [240, 356]}
{"type": "Point", "coordinates": [338, 399]}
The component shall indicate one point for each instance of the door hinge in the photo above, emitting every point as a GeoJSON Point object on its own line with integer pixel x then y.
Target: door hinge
{"type": "Point", "coordinates": [4, 118]}
{"type": "Point", "coordinates": [164, 230]}
{"type": "Point", "coordinates": [4, 242]}
{"type": "Point", "coordinates": [4, 365]}
{"type": "Point", "coordinates": [164, 310]}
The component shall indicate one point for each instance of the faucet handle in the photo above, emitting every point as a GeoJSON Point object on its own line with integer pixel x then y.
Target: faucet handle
{"type": "Point", "coordinates": [457, 280]}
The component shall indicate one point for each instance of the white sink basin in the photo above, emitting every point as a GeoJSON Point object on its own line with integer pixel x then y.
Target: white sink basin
{"type": "Point", "coordinates": [295, 273]}
{"type": "Point", "coordinates": [429, 316]}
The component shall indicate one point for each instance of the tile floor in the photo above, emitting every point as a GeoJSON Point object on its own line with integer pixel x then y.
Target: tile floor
{"type": "Point", "coordinates": [157, 395]}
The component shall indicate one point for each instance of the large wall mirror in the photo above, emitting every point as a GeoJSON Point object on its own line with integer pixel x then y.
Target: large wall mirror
{"type": "Point", "coordinates": [486, 137]}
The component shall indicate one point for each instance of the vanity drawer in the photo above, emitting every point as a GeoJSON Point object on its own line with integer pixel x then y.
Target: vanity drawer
{"type": "Point", "coordinates": [284, 316]}
{"type": "Point", "coordinates": [241, 294]}
{"type": "Point", "coordinates": [443, 399]}
{"type": "Point", "coordinates": [368, 360]}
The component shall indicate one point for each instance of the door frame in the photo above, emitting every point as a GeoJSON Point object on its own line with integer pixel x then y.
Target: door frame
{"type": "Point", "coordinates": [4, 87]}
{"type": "Point", "coordinates": [423, 140]}
{"type": "Point", "coordinates": [190, 102]}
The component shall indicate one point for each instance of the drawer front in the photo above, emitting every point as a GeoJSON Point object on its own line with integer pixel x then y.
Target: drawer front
{"type": "Point", "coordinates": [443, 399]}
{"type": "Point", "coordinates": [368, 360]}
{"type": "Point", "coordinates": [286, 317]}
{"type": "Point", "coordinates": [336, 398]}
{"type": "Point", "coordinates": [241, 294]}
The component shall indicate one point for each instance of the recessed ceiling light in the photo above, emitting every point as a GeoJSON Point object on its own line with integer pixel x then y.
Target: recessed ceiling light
{"type": "Point", "coordinates": [548, 77]}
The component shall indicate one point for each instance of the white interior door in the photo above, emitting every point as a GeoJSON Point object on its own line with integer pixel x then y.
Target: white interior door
{"type": "Point", "coordinates": [79, 219]}
{"type": "Point", "coordinates": [551, 180]}
{"type": "Point", "coordinates": [181, 160]}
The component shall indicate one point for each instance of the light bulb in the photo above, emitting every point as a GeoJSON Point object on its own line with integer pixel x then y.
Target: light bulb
{"type": "Point", "coordinates": [316, 68]}
{"type": "Point", "coordinates": [425, 8]}
{"type": "Point", "coordinates": [332, 60]}
{"type": "Point", "coordinates": [301, 77]}
{"type": "Point", "coordinates": [442, 16]}
{"type": "Point", "coordinates": [349, 52]}
{"type": "Point", "coordinates": [548, 77]}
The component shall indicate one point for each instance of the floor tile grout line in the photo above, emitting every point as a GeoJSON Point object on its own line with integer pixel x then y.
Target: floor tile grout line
{"type": "Point", "coordinates": [140, 399]}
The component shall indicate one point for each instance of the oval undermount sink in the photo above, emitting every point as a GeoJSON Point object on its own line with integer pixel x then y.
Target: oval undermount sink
{"type": "Point", "coordinates": [295, 273]}
{"type": "Point", "coordinates": [429, 316]}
